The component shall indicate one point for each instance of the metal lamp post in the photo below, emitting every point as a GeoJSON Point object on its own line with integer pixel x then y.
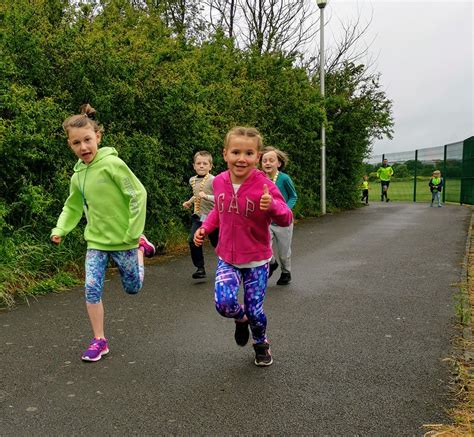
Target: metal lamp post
{"type": "Point", "coordinates": [322, 4]}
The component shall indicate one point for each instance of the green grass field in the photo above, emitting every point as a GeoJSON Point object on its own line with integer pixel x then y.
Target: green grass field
{"type": "Point", "coordinates": [402, 191]}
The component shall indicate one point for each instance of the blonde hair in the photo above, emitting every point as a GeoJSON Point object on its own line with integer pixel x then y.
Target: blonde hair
{"type": "Point", "coordinates": [243, 131]}
{"type": "Point", "coordinates": [85, 118]}
{"type": "Point", "coordinates": [204, 154]}
{"type": "Point", "coordinates": [282, 156]}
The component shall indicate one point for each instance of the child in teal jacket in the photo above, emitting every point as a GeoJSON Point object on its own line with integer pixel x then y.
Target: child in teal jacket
{"type": "Point", "coordinates": [273, 163]}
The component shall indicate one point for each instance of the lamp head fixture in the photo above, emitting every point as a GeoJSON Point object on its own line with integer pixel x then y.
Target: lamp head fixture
{"type": "Point", "coordinates": [321, 3]}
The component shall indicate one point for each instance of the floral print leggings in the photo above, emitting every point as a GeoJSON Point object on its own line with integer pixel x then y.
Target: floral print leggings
{"type": "Point", "coordinates": [228, 279]}
{"type": "Point", "coordinates": [131, 272]}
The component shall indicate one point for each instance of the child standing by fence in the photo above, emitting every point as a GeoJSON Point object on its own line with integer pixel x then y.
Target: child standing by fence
{"type": "Point", "coordinates": [273, 163]}
{"type": "Point", "coordinates": [436, 186]}
{"type": "Point", "coordinates": [114, 203]}
{"type": "Point", "coordinates": [246, 203]}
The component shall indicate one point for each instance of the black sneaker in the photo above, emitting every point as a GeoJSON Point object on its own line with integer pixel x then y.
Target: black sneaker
{"type": "Point", "coordinates": [285, 278]}
{"type": "Point", "coordinates": [200, 273]}
{"type": "Point", "coordinates": [273, 267]}
{"type": "Point", "coordinates": [388, 200]}
{"type": "Point", "coordinates": [263, 355]}
{"type": "Point", "coordinates": [241, 333]}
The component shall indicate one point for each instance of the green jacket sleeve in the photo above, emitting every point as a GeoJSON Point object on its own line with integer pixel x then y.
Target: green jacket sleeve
{"type": "Point", "coordinates": [71, 213]}
{"type": "Point", "coordinates": [135, 193]}
{"type": "Point", "coordinates": [291, 193]}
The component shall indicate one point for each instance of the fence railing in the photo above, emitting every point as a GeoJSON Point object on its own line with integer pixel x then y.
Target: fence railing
{"type": "Point", "coordinates": [413, 169]}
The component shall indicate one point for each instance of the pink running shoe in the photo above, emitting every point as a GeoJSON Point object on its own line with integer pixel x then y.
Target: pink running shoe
{"type": "Point", "coordinates": [148, 248]}
{"type": "Point", "coordinates": [96, 349]}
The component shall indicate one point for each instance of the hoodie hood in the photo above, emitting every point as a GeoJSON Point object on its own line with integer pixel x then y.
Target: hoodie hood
{"type": "Point", "coordinates": [101, 154]}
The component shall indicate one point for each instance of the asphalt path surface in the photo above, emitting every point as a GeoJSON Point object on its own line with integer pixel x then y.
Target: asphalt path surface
{"type": "Point", "coordinates": [358, 339]}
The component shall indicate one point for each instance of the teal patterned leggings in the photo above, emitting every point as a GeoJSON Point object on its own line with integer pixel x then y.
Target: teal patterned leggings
{"type": "Point", "coordinates": [131, 272]}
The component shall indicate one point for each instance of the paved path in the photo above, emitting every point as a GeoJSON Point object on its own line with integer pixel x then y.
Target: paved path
{"type": "Point", "coordinates": [358, 341]}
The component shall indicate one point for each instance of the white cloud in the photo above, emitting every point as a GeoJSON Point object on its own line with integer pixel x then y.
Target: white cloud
{"type": "Point", "coordinates": [424, 51]}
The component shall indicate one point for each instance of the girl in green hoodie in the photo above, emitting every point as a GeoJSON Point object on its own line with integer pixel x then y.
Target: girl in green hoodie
{"type": "Point", "coordinates": [113, 201]}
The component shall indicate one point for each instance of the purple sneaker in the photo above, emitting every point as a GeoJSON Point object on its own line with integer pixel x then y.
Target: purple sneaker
{"type": "Point", "coordinates": [96, 349]}
{"type": "Point", "coordinates": [148, 248]}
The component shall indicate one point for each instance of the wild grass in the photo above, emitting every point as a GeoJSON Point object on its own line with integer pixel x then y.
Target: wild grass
{"type": "Point", "coordinates": [31, 266]}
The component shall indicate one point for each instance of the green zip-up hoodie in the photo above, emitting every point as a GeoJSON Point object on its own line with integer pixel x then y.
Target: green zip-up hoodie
{"type": "Point", "coordinates": [113, 200]}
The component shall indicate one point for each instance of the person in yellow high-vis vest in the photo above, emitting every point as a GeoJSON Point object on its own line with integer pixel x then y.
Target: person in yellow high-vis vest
{"type": "Point", "coordinates": [384, 173]}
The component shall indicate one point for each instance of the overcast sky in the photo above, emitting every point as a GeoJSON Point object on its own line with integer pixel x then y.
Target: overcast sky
{"type": "Point", "coordinates": [424, 51]}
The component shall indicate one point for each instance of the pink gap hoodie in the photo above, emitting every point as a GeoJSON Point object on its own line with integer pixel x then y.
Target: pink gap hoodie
{"type": "Point", "coordinates": [244, 234]}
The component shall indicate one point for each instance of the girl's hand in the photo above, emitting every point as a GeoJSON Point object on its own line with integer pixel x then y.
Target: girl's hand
{"type": "Point", "coordinates": [56, 239]}
{"type": "Point", "coordinates": [202, 194]}
{"type": "Point", "coordinates": [186, 204]}
{"type": "Point", "coordinates": [199, 236]}
{"type": "Point", "coordinates": [266, 199]}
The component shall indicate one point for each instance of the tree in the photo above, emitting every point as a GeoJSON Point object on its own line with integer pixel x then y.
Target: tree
{"type": "Point", "coordinates": [265, 26]}
{"type": "Point", "coordinates": [222, 15]}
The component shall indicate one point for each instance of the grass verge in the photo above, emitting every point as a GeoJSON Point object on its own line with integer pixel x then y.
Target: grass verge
{"type": "Point", "coordinates": [462, 361]}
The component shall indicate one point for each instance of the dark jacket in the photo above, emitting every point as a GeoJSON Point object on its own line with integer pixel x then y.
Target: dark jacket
{"type": "Point", "coordinates": [437, 187]}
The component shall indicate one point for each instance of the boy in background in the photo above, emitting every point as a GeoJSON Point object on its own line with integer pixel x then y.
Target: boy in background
{"type": "Point", "coordinates": [203, 201]}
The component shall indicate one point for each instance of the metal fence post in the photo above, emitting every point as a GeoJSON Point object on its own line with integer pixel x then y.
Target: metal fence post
{"type": "Point", "coordinates": [444, 172]}
{"type": "Point", "coordinates": [383, 159]}
{"type": "Point", "coordinates": [414, 180]}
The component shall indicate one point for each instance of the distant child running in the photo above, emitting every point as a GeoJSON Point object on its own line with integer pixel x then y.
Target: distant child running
{"type": "Point", "coordinates": [203, 201]}
{"type": "Point", "coordinates": [246, 203]}
{"type": "Point", "coordinates": [113, 201]}
{"type": "Point", "coordinates": [384, 173]}
{"type": "Point", "coordinates": [365, 189]}
{"type": "Point", "coordinates": [273, 163]}
{"type": "Point", "coordinates": [436, 186]}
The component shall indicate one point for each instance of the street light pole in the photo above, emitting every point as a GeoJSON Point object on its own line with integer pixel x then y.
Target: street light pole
{"type": "Point", "coordinates": [322, 5]}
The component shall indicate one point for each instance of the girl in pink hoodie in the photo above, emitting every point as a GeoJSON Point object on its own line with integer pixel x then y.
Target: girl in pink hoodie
{"type": "Point", "coordinates": [246, 202]}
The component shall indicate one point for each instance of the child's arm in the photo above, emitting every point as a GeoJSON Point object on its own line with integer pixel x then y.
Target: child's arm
{"type": "Point", "coordinates": [188, 203]}
{"type": "Point", "coordinates": [135, 193]}
{"type": "Point", "coordinates": [70, 215]}
{"type": "Point", "coordinates": [291, 191]}
{"type": "Point", "coordinates": [210, 224]}
{"type": "Point", "coordinates": [209, 197]}
{"type": "Point", "coordinates": [278, 210]}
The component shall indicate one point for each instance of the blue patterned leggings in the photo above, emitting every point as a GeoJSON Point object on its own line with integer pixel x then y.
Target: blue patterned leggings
{"type": "Point", "coordinates": [131, 272]}
{"type": "Point", "coordinates": [228, 279]}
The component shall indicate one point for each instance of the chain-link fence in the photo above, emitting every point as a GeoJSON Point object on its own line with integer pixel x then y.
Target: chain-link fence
{"type": "Point", "coordinates": [412, 172]}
